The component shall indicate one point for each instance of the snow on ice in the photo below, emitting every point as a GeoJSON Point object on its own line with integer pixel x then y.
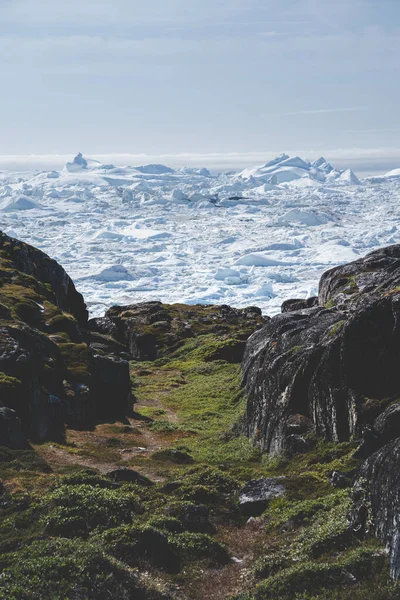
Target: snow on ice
{"type": "Point", "coordinates": [127, 234]}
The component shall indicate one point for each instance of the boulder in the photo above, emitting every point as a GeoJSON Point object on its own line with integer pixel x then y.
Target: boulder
{"type": "Point", "coordinates": [298, 304]}
{"type": "Point", "coordinates": [126, 475]}
{"type": "Point", "coordinates": [35, 263]}
{"type": "Point", "coordinates": [329, 362]}
{"type": "Point", "coordinates": [52, 370]}
{"type": "Point", "coordinates": [255, 496]}
{"type": "Point", "coordinates": [111, 387]}
{"type": "Point", "coordinates": [10, 430]}
{"type": "Point", "coordinates": [377, 501]}
{"type": "Point", "coordinates": [150, 330]}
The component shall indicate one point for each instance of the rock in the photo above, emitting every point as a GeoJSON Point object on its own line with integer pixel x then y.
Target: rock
{"type": "Point", "coordinates": [296, 304]}
{"type": "Point", "coordinates": [384, 429]}
{"type": "Point", "coordinates": [52, 370]}
{"type": "Point", "coordinates": [327, 362]}
{"type": "Point", "coordinates": [126, 475]}
{"type": "Point", "coordinates": [255, 496]}
{"type": "Point", "coordinates": [111, 387]}
{"type": "Point", "coordinates": [376, 500]}
{"type": "Point", "coordinates": [387, 425]}
{"type": "Point", "coordinates": [339, 480]}
{"type": "Point", "coordinates": [150, 330]}
{"type": "Point", "coordinates": [10, 430]}
{"type": "Point", "coordinates": [37, 264]}
{"type": "Point", "coordinates": [296, 444]}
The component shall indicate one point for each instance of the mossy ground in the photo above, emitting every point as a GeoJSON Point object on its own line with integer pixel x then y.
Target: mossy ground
{"type": "Point", "coordinates": [66, 531]}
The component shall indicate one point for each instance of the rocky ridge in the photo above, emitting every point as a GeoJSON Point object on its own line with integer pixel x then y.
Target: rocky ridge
{"type": "Point", "coordinates": [331, 369]}
{"type": "Point", "coordinates": [322, 395]}
{"type": "Point", "coordinates": [52, 369]}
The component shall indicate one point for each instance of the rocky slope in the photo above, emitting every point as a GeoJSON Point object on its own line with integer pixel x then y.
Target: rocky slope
{"type": "Point", "coordinates": [332, 369]}
{"type": "Point", "coordinates": [163, 511]}
{"type": "Point", "coordinates": [52, 370]}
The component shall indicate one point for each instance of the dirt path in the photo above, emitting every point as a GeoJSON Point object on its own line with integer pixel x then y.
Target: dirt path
{"type": "Point", "coordinates": [110, 446]}
{"type": "Point", "coordinates": [133, 438]}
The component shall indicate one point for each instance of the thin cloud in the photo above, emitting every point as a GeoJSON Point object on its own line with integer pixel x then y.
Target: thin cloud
{"type": "Point", "coordinates": [316, 111]}
{"type": "Point", "coordinates": [273, 33]}
{"type": "Point", "coordinates": [385, 129]}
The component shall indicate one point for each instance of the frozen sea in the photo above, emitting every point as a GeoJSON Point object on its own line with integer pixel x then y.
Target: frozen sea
{"type": "Point", "coordinates": [127, 234]}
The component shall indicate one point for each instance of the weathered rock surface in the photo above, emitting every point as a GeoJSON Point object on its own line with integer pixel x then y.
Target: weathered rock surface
{"type": "Point", "coordinates": [335, 364]}
{"type": "Point", "coordinates": [377, 500]}
{"type": "Point", "coordinates": [36, 264]}
{"type": "Point", "coordinates": [52, 370]}
{"type": "Point", "coordinates": [150, 330]}
{"type": "Point", "coordinates": [334, 369]}
{"type": "Point", "coordinates": [10, 429]}
{"type": "Point", "coordinates": [299, 304]}
{"type": "Point", "coordinates": [255, 496]}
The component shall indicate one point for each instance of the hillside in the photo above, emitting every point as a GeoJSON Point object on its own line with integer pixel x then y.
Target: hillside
{"type": "Point", "coordinates": [179, 483]}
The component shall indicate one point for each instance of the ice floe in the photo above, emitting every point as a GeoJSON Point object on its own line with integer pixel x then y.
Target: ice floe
{"type": "Point", "coordinates": [260, 236]}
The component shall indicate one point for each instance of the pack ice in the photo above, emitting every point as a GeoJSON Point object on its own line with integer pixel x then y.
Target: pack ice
{"type": "Point", "coordinates": [260, 236]}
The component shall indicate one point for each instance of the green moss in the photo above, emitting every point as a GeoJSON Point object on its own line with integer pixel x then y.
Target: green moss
{"type": "Point", "coordinates": [165, 523]}
{"type": "Point", "coordinates": [329, 531]}
{"type": "Point", "coordinates": [296, 349]}
{"type": "Point", "coordinates": [313, 576]}
{"type": "Point", "coordinates": [21, 460]}
{"type": "Point", "coordinates": [164, 426]}
{"type": "Point", "coordinates": [138, 545]}
{"type": "Point", "coordinates": [10, 388]}
{"type": "Point", "coordinates": [336, 328]}
{"type": "Point", "coordinates": [61, 569]}
{"type": "Point", "coordinates": [88, 477]}
{"type": "Point", "coordinates": [76, 360]}
{"type": "Point", "coordinates": [74, 510]}
{"type": "Point", "coordinates": [283, 511]}
{"type": "Point", "coordinates": [206, 397]}
{"type": "Point", "coordinates": [192, 546]}
{"type": "Point", "coordinates": [330, 304]}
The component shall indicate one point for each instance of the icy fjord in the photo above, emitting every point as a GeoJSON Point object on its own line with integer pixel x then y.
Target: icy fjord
{"type": "Point", "coordinates": [260, 236]}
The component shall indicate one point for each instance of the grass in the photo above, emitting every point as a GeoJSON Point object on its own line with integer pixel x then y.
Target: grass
{"type": "Point", "coordinates": [73, 532]}
{"type": "Point", "coordinates": [205, 395]}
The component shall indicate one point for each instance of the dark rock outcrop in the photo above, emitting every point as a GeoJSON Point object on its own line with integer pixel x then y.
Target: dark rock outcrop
{"type": "Point", "coordinates": [377, 501]}
{"type": "Point", "coordinates": [30, 261]}
{"type": "Point", "coordinates": [150, 330]}
{"type": "Point", "coordinates": [334, 369]}
{"type": "Point", "coordinates": [298, 304]}
{"type": "Point", "coordinates": [10, 429]}
{"type": "Point", "coordinates": [332, 362]}
{"type": "Point", "coordinates": [52, 370]}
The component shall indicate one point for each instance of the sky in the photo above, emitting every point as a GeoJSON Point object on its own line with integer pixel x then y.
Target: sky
{"type": "Point", "coordinates": [191, 77]}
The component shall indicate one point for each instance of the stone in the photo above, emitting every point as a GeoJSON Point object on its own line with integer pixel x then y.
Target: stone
{"type": "Point", "coordinates": [339, 480]}
{"type": "Point", "coordinates": [11, 434]}
{"type": "Point", "coordinates": [255, 496]}
{"type": "Point", "coordinates": [297, 304]}
{"type": "Point", "coordinates": [326, 362]}
{"type": "Point", "coordinates": [52, 370]}
{"type": "Point", "coordinates": [126, 475]}
{"type": "Point", "coordinates": [376, 501]}
{"type": "Point", "coordinates": [150, 330]}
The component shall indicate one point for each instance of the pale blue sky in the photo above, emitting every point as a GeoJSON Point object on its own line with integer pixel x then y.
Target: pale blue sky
{"type": "Point", "coordinates": [200, 76]}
